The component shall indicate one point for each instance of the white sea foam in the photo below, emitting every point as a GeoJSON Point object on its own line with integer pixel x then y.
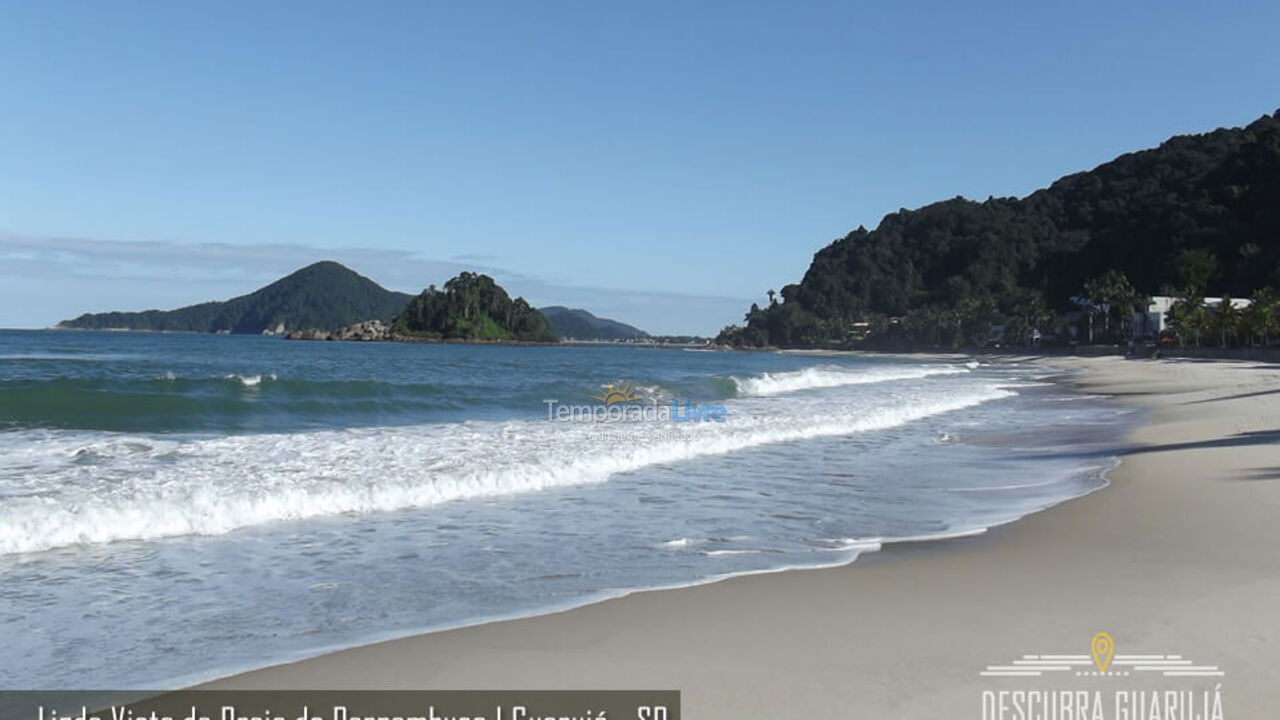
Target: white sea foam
{"type": "Point", "coordinates": [859, 544]}
{"type": "Point", "coordinates": [250, 380]}
{"type": "Point", "coordinates": [828, 376]}
{"type": "Point", "coordinates": [143, 487]}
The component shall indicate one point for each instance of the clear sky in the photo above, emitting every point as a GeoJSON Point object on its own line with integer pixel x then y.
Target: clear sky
{"type": "Point", "coordinates": [665, 163]}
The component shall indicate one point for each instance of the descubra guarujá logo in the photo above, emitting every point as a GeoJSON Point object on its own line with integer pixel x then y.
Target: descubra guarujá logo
{"type": "Point", "coordinates": [1103, 685]}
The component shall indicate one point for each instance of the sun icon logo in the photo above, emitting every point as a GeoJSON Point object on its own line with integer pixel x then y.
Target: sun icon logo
{"type": "Point", "coordinates": [611, 393]}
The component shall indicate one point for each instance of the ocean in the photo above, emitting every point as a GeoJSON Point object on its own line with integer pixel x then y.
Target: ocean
{"type": "Point", "coordinates": [174, 508]}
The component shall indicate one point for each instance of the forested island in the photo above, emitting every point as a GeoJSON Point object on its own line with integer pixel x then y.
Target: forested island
{"type": "Point", "coordinates": [1199, 215]}
{"type": "Point", "coordinates": [323, 295]}
{"type": "Point", "coordinates": [328, 301]}
{"type": "Point", "coordinates": [471, 307]}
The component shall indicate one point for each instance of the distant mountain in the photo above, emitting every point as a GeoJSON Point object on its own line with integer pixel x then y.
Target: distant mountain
{"type": "Point", "coordinates": [582, 325]}
{"type": "Point", "coordinates": [471, 307]}
{"type": "Point", "coordinates": [324, 295]}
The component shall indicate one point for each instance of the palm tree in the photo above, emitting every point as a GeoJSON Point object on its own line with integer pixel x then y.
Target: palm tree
{"type": "Point", "coordinates": [1261, 316]}
{"type": "Point", "coordinates": [1111, 294]}
{"type": "Point", "coordinates": [1188, 316]}
{"type": "Point", "coordinates": [1226, 318]}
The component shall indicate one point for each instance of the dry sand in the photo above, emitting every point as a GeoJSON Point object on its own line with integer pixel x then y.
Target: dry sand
{"type": "Point", "coordinates": [1180, 554]}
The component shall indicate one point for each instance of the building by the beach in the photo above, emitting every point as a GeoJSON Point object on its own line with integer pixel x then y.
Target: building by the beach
{"type": "Point", "coordinates": [1155, 320]}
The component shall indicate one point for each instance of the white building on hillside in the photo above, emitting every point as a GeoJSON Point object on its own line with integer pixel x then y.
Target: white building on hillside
{"type": "Point", "coordinates": [1156, 319]}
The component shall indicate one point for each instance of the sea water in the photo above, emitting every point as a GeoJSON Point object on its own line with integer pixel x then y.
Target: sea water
{"type": "Point", "coordinates": [177, 507]}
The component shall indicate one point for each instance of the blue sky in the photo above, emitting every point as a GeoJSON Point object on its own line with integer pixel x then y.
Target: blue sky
{"type": "Point", "coordinates": [664, 163]}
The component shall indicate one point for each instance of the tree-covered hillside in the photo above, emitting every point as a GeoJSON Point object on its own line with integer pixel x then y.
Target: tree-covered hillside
{"type": "Point", "coordinates": [582, 325]}
{"type": "Point", "coordinates": [1200, 214]}
{"type": "Point", "coordinates": [471, 307]}
{"type": "Point", "coordinates": [323, 295]}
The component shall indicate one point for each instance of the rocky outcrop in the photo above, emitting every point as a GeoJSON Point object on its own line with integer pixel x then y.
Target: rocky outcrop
{"type": "Point", "coordinates": [367, 331]}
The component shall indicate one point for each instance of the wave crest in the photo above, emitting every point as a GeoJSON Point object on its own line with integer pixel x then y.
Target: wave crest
{"type": "Point", "coordinates": [206, 486]}
{"type": "Point", "coordinates": [826, 376]}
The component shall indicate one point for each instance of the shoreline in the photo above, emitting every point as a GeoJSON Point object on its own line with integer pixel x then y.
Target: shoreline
{"type": "Point", "coordinates": [402, 339]}
{"type": "Point", "coordinates": [213, 679]}
{"type": "Point", "coordinates": [1175, 555]}
{"type": "Point", "coordinates": [857, 550]}
{"type": "Point", "coordinates": [875, 547]}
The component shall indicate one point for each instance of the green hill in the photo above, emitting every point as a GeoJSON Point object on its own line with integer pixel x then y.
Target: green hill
{"type": "Point", "coordinates": [1198, 214]}
{"type": "Point", "coordinates": [582, 325]}
{"type": "Point", "coordinates": [324, 295]}
{"type": "Point", "coordinates": [471, 307]}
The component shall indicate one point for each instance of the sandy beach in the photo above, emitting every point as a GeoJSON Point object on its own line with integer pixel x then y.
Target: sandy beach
{"type": "Point", "coordinates": [1177, 555]}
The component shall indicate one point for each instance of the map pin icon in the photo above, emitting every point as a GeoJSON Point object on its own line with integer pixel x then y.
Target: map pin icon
{"type": "Point", "coordinates": [1102, 647]}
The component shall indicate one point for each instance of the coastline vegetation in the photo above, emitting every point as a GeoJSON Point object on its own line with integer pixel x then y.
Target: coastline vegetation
{"type": "Point", "coordinates": [577, 324]}
{"type": "Point", "coordinates": [471, 307]}
{"type": "Point", "coordinates": [324, 295]}
{"type": "Point", "coordinates": [1198, 215]}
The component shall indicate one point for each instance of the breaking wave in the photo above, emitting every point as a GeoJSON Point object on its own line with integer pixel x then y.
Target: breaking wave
{"type": "Point", "coordinates": [827, 376]}
{"type": "Point", "coordinates": [91, 489]}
